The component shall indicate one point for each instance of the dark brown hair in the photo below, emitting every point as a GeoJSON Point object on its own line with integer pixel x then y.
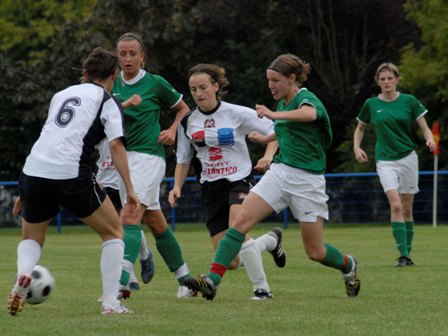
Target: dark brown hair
{"type": "Point", "coordinates": [217, 75]}
{"type": "Point", "coordinates": [288, 64]}
{"type": "Point", "coordinates": [100, 64]}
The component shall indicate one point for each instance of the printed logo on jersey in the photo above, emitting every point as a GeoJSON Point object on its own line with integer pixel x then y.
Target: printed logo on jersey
{"type": "Point", "coordinates": [379, 111]}
{"type": "Point", "coordinates": [214, 153]}
{"type": "Point", "coordinates": [242, 195]}
{"type": "Point", "coordinates": [67, 112]}
{"type": "Point", "coordinates": [199, 138]}
{"type": "Point", "coordinates": [225, 137]}
{"type": "Point", "coordinates": [209, 123]}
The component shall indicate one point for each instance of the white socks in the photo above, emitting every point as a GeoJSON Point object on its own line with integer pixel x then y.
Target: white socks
{"type": "Point", "coordinates": [111, 257]}
{"type": "Point", "coordinates": [250, 255]}
{"type": "Point", "coordinates": [266, 242]}
{"type": "Point", "coordinates": [182, 271]}
{"type": "Point", "coordinates": [28, 255]}
{"type": "Point", "coordinates": [143, 253]}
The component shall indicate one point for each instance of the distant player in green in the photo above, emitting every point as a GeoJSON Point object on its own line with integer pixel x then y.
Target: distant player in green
{"type": "Point", "coordinates": [295, 179]}
{"type": "Point", "coordinates": [144, 96]}
{"type": "Point", "coordinates": [393, 116]}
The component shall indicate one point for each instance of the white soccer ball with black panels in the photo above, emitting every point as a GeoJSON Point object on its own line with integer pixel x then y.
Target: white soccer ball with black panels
{"type": "Point", "coordinates": [42, 285]}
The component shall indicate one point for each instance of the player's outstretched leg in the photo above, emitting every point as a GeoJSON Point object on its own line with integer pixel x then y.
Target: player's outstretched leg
{"type": "Point", "coordinates": [17, 297]}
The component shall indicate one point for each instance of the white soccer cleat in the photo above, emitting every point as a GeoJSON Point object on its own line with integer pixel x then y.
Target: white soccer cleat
{"type": "Point", "coordinates": [118, 309]}
{"type": "Point", "coordinates": [184, 292]}
{"type": "Point", "coordinates": [17, 297]}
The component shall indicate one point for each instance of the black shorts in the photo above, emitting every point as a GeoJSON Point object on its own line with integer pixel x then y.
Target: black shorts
{"type": "Point", "coordinates": [114, 195]}
{"type": "Point", "coordinates": [42, 198]}
{"type": "Point", "coordinates": [218, 196]}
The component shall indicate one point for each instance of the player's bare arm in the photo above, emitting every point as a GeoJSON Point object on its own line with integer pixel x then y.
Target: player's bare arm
{"type": "Point", "coordinates": [264, 162]}
{"type": "Point", "coordinates": [168, 136]}
{"type": "Point", "coordinates": [119, 157]}
{"type": "Point", "coordinates": [180, 174]}
{"type": "Point", "coordinates": [360, 155]}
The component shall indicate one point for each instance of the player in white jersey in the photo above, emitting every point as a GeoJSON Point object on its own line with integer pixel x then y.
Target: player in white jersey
{"type": "Point", "coordinates": [59, 172]}
{"type": "Point", "coordinates": [217, 132]}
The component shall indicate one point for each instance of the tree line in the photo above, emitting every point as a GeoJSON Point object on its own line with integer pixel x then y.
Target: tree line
{"type": "Point", "coordinates": [42, 50]}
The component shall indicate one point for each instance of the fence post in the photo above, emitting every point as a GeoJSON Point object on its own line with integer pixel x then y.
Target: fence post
{"type": "Point", "coordinates": [59, 221]}
{"type": "Point", "coordinates": [285, 218]}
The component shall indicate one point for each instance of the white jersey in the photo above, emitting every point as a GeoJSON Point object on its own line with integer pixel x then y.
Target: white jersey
{"type": "Point", "coordinates": [79, 117]}
{"type": "Point", "coordinates": [219, 138]}
{"type": "Point", "coordinates": [107, 174]}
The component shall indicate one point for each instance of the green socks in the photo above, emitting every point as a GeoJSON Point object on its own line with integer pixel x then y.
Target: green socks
{"type": "Point", "coordinates": [132, 241]}
{"type": "Point", "coordinates": [228, 249]}
{"type": "Point", "coordinates": [399, 233]}
{"type": "Point", "coordinates": [335, 259]}
{"type": "Point", "coordinates": [169, 249]}
{"type": "Point", "coordinates": [409, 235]}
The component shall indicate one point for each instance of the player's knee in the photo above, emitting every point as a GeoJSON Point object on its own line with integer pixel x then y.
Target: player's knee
{"type": "Point", "coordinates": [396, 207]}
{"type": "Point", "coordinates": [315, 254]}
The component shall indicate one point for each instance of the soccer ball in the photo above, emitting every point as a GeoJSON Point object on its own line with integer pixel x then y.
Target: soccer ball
{"type": "Point", "coordinates": [42, 285]}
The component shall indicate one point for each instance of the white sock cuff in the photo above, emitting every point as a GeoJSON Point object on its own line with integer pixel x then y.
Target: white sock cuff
{"type": "Point", "coordinates": [182, 271]}
{"type": "Point", "coordinates": [113, 241]}
{"type": "Point", "coordinates": [247, 244]}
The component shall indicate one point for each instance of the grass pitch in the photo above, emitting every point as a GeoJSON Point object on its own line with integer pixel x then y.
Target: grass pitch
{"type": "Point", "coordinates": [309, 299]}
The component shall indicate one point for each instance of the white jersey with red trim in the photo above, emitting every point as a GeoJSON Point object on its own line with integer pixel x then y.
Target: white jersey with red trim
{"type": "Point", "coordinates": [79, 117]}
{"type": "Point", "coordinates": [219, 138]}
{"type": "Point", "coordinates": [107, 175]}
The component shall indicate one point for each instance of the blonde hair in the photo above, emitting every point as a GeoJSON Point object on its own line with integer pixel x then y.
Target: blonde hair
{"type": "Point", "coordinates": [387, 67]}
{"type": "Point", "coordinates": [135, 37]}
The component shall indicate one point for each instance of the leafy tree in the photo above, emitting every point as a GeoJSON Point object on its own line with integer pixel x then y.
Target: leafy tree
{"type": "Point", "coordinates": [342, 40]}
{"type": "Point", "coordinates": [424, 66]}
{"type": "Point", "coordinates": [27, 35]}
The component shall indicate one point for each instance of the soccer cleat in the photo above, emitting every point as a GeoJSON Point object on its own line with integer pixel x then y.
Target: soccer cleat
{"type": "Point", "coordinates": [262, 294]}
{"type": "Point", "coordinates": [147, 268]}
{"type": "Point", "coordinates": [134, 286]}
{"type": "Point", "coordinates": [119, 309]}
{"type": "Point", "coordinates": [124, 292]}
{"type": "Point", "coordinates": [17, 297]}
{"type": "Point", "coordinates": [278, 253]}
{"type": "Point", "coordinates": [184, 292]}
{"type": "Point", "coordinates": [351, 279]}
{"type": "Point", "coordinates": [203, 284]}
{"type": "Point", "coordinates": [404, 261]}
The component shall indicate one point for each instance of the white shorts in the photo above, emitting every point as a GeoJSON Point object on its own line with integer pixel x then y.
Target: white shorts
{"type": "Point", "coordinates": [304, 193]}
{"type": "Point", "coordinates": [401, 175]}
{"type": "Point", "coordinates": [147, 172]}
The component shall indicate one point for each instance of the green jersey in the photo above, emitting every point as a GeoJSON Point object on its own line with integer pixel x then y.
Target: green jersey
{"type": "Point", "coordinates": [393, 124]}
{"type": "Point", "coordinates": [304, 145]}
{"type": "Point", "coordinates": [142, 122]}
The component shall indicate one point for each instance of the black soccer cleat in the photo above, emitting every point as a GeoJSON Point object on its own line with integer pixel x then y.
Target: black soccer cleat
{"type": "Point", "coordinates": [147, 268]}
{"type": "Point", "coordinates": [404, 261]}
{"type": "Point", "coordinates": [262, 294]}
{"type": "Point", "coordinates": [203, 284]}
{"type": "Point", "coordinates": [277, 253]}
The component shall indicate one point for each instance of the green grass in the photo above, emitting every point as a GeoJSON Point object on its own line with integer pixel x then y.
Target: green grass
{"type": "Point", "coordinates": [309, 298]}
